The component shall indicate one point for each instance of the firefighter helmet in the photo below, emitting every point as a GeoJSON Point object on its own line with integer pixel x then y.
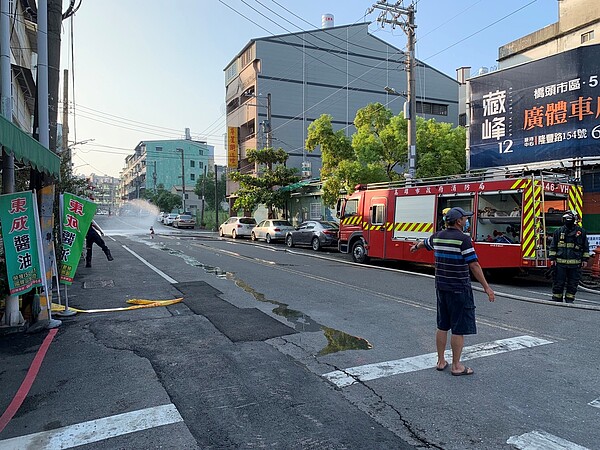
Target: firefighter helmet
{"type": "Point", "coordinates": [569, 217]}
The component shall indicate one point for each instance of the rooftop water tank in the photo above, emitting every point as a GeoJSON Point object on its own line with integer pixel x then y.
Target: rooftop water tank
{"type": "Point", "coordinates": [327, 21]}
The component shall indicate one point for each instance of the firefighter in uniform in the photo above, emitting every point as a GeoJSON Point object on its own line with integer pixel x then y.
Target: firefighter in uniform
{"type": "Point", "coordinates": [569, 252]}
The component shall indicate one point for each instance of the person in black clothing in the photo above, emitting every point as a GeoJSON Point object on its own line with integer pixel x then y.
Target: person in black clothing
{"type": "Point", "coordinates": [569, 252]}
{"type": "Point", "coordinates": [93, 237]}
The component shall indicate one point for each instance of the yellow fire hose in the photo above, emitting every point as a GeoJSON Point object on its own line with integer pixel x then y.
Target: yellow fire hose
{"type": "Point", "coordinates": [137, 302]}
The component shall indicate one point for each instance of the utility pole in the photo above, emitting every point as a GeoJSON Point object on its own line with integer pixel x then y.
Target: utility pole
{"type": "Point", "coordinates": [269, 127]}
{"type": "Point", "coordinates": [397, 15]}
{"type": "Point", "coordinates": [182, 178]}
{"type": "Point", "coordinates": [216, 200]}
{"type": "Point", "coordinates": [154, 177]}
{"type": "Point", "coordinates": [8, 159]}
{"type": "Point", "coordinates": [203, 191]}
{"type": "Point", "coordinates": [65, 119]}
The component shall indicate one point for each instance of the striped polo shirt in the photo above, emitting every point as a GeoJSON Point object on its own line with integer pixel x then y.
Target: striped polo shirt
{"type": "Point", "coordinates": [453, 252]}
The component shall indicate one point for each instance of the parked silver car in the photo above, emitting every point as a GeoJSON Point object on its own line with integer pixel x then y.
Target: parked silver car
{"type": "Point", "coordinates": [237, 226]}
{"type": "Point", "coordinates": [271, 230]}
{"type": "Point", "coordinates": [184, 221]}
{"type": "Point", "coordinates": [316, 233]}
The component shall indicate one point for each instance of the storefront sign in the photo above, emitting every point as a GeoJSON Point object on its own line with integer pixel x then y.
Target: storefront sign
{"type": "Point", "coordinates": [19, 236]}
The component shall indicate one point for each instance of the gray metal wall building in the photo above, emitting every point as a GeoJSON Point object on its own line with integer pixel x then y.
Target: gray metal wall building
{"type": "Point", "coordinates": [332, 71]}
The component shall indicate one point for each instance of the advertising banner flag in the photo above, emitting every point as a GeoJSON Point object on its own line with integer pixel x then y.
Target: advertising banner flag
{"type": "Point", "coordinates": [76, 217]}
{"type": "Point", "coordinates": [19, 236]}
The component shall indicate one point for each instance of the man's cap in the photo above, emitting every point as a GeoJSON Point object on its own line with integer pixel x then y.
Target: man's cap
{"type": "Point", "coordinates": [456, 213]}
{"type": "Point", "coordinates": [569, 216]}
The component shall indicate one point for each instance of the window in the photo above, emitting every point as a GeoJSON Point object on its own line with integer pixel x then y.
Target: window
{"type": "Point", "coordinates": [201, 152]}
{"type": "Point", "coordinates": [436, 109]}
{"type": "Point", "coordinates": [192, 163]}
{"type": "Point", "coordinates": [159, 149]}
{"type": "Point", "coordinates": [192, 176]}
{"type": "Point", "coordinates": [351, 208]}
{"type": "Point", "coordinates": [586, 37]}
{"type": "Point", "coordinates": [378, 215]}
{"type": "Point", "coordinates": [315, 211]}
{"type": "Point", "coordinates": [201, 164]}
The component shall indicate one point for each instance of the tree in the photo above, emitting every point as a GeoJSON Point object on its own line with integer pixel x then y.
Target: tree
{"type": "Point", "coordinates": [163, 199]}
{"type": "Point", "coordinates": [337, 157]}
{"type": "Point", "coordinates": [440, 149]}
{"type": "Point", "coordinates": [264, 188]}
{"type": "Point", "coordinates": [379, 148]}
{"type": "Point", "coordinates": [209, 188]}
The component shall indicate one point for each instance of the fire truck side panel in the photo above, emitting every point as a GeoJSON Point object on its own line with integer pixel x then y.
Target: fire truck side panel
{"type": "Point", "coordinates": [414, 217]}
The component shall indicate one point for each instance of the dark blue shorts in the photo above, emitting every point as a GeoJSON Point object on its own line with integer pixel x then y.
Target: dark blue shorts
{"type": "Point", "coordinates": [456, 311]}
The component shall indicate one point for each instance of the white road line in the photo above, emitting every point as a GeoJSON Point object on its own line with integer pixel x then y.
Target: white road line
{"type": "Point", "coordinates": [96, 430]}
{"type": "Point", "coordinates": [158, 271]}
{"type": "Point", "coordinates": [541, 440]}
{"type": "Point", "coordinates": [595, 403]}
{"type": "Point", "coordinates": [347, 377]}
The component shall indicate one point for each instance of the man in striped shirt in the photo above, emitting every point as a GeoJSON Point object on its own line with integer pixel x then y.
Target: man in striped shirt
{"type": "Point", "coordinates": [454, 258]}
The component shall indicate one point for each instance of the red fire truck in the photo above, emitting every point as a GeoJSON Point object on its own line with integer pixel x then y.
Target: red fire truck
{"type": "Point", "coordinates": [514, 217]}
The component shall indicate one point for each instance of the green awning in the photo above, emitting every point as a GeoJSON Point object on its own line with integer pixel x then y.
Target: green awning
{"type": "Point", "coordinates": [28, 150]}
{"type": "Point", "coordinates": [292, 187]}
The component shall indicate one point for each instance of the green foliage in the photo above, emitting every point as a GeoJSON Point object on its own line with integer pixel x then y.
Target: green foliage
{"type": "Point", "coordinates": [379, 147]}
{"type": "Point", "coordinates": [209, 189]}
{"type": "Point", "coordinates": [165, 201]}
{"type": "Point", "coordinates": [264, 188]}
{"type": "Point", "coordinates": [440, 149]}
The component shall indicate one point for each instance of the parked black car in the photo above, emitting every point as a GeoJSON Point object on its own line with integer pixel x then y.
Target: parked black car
{"type": "Point", "coordinates": [316, 233]}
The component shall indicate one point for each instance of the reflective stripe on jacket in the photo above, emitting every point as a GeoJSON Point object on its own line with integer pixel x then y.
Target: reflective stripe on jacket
{"type": "Point", "coordinates": [569, 247]}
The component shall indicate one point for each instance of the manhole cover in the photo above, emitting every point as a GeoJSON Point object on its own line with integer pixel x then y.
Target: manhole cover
{"type": "Point", "coordinates": [98, 284]}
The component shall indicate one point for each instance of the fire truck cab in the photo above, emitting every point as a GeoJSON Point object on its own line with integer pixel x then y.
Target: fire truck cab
{"type": "Point", "coordinates": [513, 217]}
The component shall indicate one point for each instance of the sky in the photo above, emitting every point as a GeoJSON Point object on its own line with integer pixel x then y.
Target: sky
{"type": "Point", "coordinates": [148, 69]}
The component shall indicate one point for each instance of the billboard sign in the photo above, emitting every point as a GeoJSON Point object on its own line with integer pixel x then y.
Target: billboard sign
{"type": "Point", "coordinates": [232, 147]}
{"type": "Point", "coordinates": [544, 110]}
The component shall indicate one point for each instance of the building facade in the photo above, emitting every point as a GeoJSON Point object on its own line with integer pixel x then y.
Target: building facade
{"type": "Point", "coordinates": [277, 86]}
{"type": "Point", "coordinates": [104, 192]}
{"type": "Point", "coordinates": [166, 163]}
{"type": "Point", "coordinates": [23, 60]}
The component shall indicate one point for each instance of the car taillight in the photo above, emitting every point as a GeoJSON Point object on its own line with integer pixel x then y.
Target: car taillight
{"type": "Point", "coordinates": [276, 229]}
{"type": "Point", "coordinates": [239, 225]}
{"type": "Point", "coordinates": [329, 232]}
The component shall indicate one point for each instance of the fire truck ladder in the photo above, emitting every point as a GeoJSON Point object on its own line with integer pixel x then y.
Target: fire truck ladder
{"type": "Point", "coordinates": [539, 222]}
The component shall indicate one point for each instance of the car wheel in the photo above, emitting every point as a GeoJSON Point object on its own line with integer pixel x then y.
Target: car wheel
{"type": "Point", "coordinates": [316, 244]}
{"type": "Point", "coordinates": [233, 234]}
{"type": "Point", "coordinates": [268, 238]}
{"type": "Point", "coordinates": [289, 241]}
{"type": "Point", "coordinates": [253, 237]}
{"type": "Point", "coordinates": [359, 253]}
{"type": "Point", "coordinates": [221, 232]}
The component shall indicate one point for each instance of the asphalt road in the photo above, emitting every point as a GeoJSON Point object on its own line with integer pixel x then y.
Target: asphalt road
{"type": "Point", "coordinates": [537, 374]}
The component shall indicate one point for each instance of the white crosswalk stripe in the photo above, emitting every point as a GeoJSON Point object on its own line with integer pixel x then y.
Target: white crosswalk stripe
{"type": "Point", "coordinates": [538, 440]}
{"type": "Point", "coordinates": [96, 430]}
{"type": "Point", "coordinates": [347, 377]}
